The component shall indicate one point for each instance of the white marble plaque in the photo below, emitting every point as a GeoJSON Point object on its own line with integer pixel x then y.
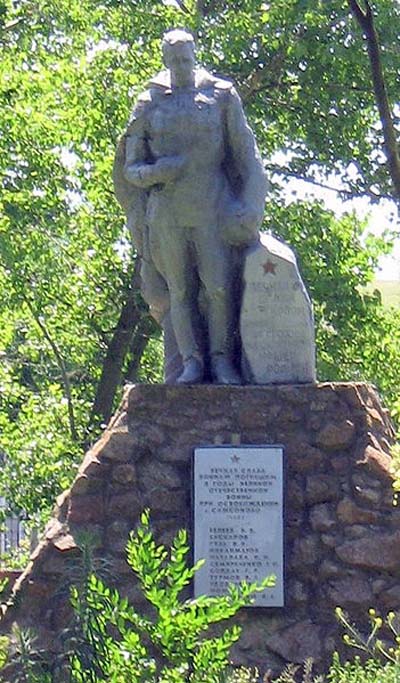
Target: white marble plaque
{"type": "Point", "coordinates": [276, 319]}
{"type": "Point", "coordinates": [238, 519]}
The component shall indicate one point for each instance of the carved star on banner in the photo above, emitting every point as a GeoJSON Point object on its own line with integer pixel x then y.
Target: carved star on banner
{"type": "Point", "coordinates": [269, 267]}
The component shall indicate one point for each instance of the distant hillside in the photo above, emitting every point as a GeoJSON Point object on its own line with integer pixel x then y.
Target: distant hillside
{"type": "Point", "coordinates": [390, 291]}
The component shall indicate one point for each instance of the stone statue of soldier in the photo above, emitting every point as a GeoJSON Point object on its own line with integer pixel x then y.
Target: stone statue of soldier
{"type": "Point", "coordinates": [190, 178]}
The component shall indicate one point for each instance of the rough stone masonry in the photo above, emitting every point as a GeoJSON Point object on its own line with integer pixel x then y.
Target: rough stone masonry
{"type": "Point", "coordinates": [342, 533]}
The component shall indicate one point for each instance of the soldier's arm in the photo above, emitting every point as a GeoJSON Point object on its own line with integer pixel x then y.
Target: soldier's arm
{"type": "Point", "coordinates": [139, 169]}
{"type": "Point", "coordinates": [243, 149]}
{"type": "Point", "coordinates": [136, 151]}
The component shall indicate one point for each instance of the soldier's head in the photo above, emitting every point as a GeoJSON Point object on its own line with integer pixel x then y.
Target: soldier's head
{"type": "Point", "coordinates": [179, 56]}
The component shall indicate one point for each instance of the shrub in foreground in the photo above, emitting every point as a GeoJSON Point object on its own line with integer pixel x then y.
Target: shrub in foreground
{"type": "Point", "coordinates": [109, 642]}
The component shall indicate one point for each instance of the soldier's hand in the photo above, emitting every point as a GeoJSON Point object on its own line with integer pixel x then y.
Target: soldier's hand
{"type": "Point", "coordinates": [240, 223]}
{"type": "Point", "coordinates": [164, 170]}
{"type": "Point", "coordinates": [246, 215]}
{"type": "Point", "coordinates": [168, 169]}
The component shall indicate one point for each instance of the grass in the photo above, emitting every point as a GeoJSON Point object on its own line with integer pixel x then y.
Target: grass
{"type": "Point", "coordinates": [390, 291]}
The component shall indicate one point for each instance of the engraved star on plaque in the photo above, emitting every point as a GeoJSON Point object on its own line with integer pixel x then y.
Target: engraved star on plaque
{"type": "Point", "coordinates": [269, 267]}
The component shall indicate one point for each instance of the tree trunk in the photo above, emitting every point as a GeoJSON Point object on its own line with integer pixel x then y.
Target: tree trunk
{"type": "Point", "coordinates": [144, 330]}
{"type": "Point", "coordinates": [111, 375]}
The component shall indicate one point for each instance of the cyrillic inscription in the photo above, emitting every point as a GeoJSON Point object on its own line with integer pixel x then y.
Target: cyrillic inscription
{"type": "Point", "coordinates": [238, 518]}
{"type": "Point", "coordinates": [276, 321]}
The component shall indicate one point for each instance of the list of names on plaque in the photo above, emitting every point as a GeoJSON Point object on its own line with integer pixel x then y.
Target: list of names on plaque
{"type": "Point", "coordinates": [238, 518]}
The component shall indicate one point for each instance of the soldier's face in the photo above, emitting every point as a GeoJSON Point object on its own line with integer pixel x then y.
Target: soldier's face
{"type": "Point", "coordinates": [180, 60]}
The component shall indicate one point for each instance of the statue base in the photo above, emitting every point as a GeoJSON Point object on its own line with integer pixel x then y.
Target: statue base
{"type": "Point", "coordinates": [342, 533]}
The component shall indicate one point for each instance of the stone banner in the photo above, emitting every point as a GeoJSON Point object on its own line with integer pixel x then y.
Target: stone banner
{"type": "Point", "coordinates": [238, 519]}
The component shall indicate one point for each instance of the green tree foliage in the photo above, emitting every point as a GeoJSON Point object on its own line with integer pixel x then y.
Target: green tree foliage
{"type": "Point", "coordinates": [357, 338]}
{"type": "Point", "coordinates": [73, 325]}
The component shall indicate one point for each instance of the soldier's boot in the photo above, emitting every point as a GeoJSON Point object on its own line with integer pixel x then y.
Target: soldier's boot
{"type": "Point", "coordinates": [223, 371]}
{"type": "Point", "coordinates": [193, 372]}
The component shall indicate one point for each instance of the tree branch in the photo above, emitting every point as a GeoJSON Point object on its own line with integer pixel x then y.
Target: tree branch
{"type": "Point", "coordinates": [345, 193]}
{"type": "Point", "coordinates": [182, 6]}
{"type": "Point", "coordinates": [358, 13]}
{"type": "Point", "coordinates": [204, 7]}
{"type": "Point", "coordinates": [366, 22]}
{"type": "Point", "coordinates": [13, 23]}
{"type": "Point", "coordinates": [271, 74]}
{"type": "Point", "coordinates": [61, 365]}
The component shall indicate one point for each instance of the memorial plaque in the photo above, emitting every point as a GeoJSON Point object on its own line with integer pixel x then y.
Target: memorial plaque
{"type": "Point", "coordinates": [276, 320]}
{"type": "Point", "coordinates": [238, 519]}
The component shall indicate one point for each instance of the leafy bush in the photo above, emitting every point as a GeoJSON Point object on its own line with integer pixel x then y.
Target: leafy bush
{"type": "Point", "coordinates": [376, 644]}
{"type": "Point", "coordinates": [371, 671]}
{"type": "Point", "coordinates": [171, 646]}
{"type": "Point", "coordinates": [292, 673]}
{"type": "Point", "coordinates": [381, 646]}
{"type": "Point", "coordinates": [109, 642]}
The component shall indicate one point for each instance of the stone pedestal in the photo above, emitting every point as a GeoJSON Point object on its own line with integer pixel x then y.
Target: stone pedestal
{"type": "Point", "coordinates": [342, 532]}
